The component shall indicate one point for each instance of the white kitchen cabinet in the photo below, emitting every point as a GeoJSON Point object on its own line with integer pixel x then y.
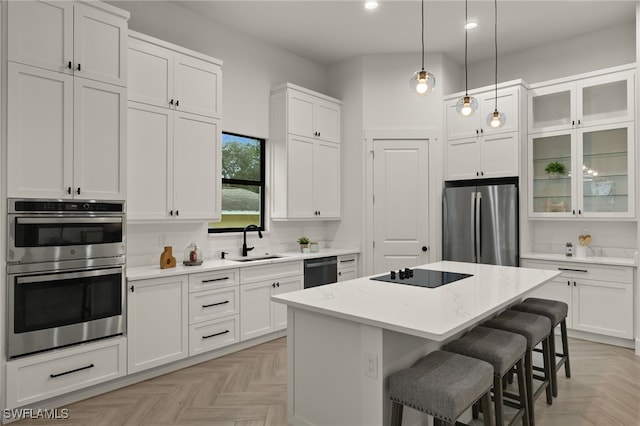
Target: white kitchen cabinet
{"type": "Point", "coordinates": [600, 172]}
{"type": "Point", "coordinates": [157, 321]}
{"type": "Point", "coordinates": [347, 267]}
{"type": "Point", "coordinates": [312, 115]}
{"type": "Point", "coordinates": [215, 334]}
{"type": "Point", "coordinates": [170, 76]}
{"type": "Point", "coordinates": [39, 377]}
{"type": "Point", "coordinates": [258, 314]}
{"type": "Point", "coordinates": [475, 150]}
{"type": "Point", "coordinates": [305, 159]}
{"type": "Point", "coordinates": [174, 163]}
{"type": "Point", "coordinates": [85, 39]}
{"type": "Point", "coordinates": [78, 147]}
{"type": "Point", "coordinates": [600, 297]}
{"type": "Point", "coordinates": [607, 97]}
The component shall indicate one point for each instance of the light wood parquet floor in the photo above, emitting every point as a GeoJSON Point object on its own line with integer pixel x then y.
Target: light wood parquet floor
{"type": "Point", "coordinates": [248, 388]}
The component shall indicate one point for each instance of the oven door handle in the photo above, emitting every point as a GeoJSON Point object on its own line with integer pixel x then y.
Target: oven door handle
{"type": "Point", "coordinates": [45, 220]}
{"type": "Point", "coordinates": [69, 275]}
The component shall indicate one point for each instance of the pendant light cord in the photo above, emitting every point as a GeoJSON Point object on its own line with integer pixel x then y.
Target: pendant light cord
{"type": "Point", "coordinates": [422, 12]}
{"type": "Point", "coordinates": [495, 38]}
{"type": "Point", "coordinates": [466, 21]}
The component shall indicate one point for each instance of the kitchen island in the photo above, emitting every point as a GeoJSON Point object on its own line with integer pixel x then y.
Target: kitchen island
{"type": "Point", "coordinates": [345, 339]}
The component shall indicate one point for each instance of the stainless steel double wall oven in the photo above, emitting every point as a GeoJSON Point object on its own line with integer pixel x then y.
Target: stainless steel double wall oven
{"type": "Point", "coordinates": [65, 273]}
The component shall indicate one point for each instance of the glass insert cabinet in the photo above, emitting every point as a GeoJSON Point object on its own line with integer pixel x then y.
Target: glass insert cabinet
{"type": "Point", "coordinates": [580, 149]}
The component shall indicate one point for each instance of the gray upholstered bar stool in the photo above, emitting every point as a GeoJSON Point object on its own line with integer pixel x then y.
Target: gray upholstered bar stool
{"type": "Point", "coordinates": [503, 350]}
{"type": "Point", "coordinates": [536, 329]}
{"type": "Point", "coordinates": [557, 313]}
{"type": "Point", "coordinates": [443, 385]}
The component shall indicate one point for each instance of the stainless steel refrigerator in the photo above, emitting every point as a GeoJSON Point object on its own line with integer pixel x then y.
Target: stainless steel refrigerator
{"type": "Point", "coordinates": [480, 223]}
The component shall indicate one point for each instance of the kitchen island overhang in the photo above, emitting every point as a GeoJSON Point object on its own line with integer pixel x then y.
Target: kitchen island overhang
{"type": "Point", "coordinates": [345, 339]}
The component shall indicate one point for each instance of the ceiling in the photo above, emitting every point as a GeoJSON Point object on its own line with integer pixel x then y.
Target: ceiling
{"type": "Point", "coordinates": [329, 31]}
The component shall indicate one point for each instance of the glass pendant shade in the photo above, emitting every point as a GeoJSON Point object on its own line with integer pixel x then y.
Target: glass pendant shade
{"type": "Point", "coordinates": [496, 119]}
{"type": "Point", "coordinates": [422, 82]}
{"type": "Point", "coordinates": [467, 105]}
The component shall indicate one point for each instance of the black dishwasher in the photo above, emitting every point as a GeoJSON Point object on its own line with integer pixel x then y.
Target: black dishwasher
{"type": "Point", "coordinates": [320, 271]}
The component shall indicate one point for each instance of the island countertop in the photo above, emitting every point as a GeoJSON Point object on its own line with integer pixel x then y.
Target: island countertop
{"type": "Point", "coordinates": [432, 313]}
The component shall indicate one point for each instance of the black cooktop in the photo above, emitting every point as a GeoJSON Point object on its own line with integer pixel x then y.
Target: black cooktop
{"type": "Point", "coordinates": [421, 277]}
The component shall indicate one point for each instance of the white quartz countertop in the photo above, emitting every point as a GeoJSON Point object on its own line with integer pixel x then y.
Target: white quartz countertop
{"type": "Point", "coordinates": [148, 272]}
{"type": "Point", "coordinates": [600, 260]}
{"type": "Point", "coordinates": [432, 313]}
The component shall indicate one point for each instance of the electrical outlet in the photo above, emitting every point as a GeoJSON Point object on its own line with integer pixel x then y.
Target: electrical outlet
{"type": "Point", "coordinates": [370, 365]}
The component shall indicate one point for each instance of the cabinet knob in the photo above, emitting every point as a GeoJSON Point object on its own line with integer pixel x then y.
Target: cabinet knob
{"type": "Point", "coordinates": [177, 212]}
{"type": "Point", "coordinates": [69, 190]}
{"type": "Point", "coordinates": [573, 122]}
{"type": "Point", "coordinates": [78, 67]}
{"type": "Point", "coordinates": [481, 173]}
{"type": "Point", "coordinates": [78, 191]}
{"type": "Point", "coordinates": [171, 102]}
{"type": "Point", "coordinates": [273, 285]}
{"type": "Point", "coordinates": [339, 274]}
{"type": "Point", "coordinates": [69, 65]}
{"type": "Point", "coordinates": [170, 212]}
{"type": "Point", "coordinates": [177, 102]}
{"type": "Point", "coordinates": [578, 122]}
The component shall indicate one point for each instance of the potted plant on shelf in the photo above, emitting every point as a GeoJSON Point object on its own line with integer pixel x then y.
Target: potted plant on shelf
{"type": "Point", "coordinates": [555, 169]}
{"type": "Point", "coordinates": [304, 243]}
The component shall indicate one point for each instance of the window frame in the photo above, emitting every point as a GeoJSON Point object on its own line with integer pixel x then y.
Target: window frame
{"type": "Point", "coordinates": [260, 184]}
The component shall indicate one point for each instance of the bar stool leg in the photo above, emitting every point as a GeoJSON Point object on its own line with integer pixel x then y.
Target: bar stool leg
{"type": "Point", "coordinates": [565, 347]}
{"type": "Point", "coordinates": [498, 397]}
{"type": "Point", "coordinates": [528, 367]}
{"type": "Point", "coordinates": [485, 401]}
{"type": "Point", "coordinates": [553, 380]}
{"type": "Point", "coordinates": [396, 413]}
{"type": "Point", "coordinates": [548, 367]}
{"type": "Point", "coordinates": [523, 392]}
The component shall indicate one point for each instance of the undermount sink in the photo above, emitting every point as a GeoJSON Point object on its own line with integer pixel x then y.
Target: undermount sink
{"type": "Point", "coordinates": [251, 259]}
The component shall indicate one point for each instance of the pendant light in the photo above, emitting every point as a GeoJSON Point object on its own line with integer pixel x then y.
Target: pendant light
{"type": "Point", "coordinates": [467, 105]}
{"type": "Point", "coordinates": [422, 82]}
{"type": "Point", "coordinates": [496, 119]}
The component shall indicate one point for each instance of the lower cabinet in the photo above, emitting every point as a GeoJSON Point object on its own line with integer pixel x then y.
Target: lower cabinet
{"type": "Point", "coordinates": [157, 319]}
{"type": "Point", "coordinates": [54, 373]}
{"type": "Point", "coordinates": [347, 267]}
{"type": "Point", "coordinates": [258, 314]}
{"type": "Point", "coordinates": [600, 297]}
{"type": "Point", "coordinates": [214, 334]}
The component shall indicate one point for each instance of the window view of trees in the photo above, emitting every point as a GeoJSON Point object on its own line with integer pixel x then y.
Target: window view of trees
{"type": "Point", "coordinates": [242, 183]}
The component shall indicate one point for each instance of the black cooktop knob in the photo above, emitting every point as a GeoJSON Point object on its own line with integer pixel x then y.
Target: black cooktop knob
{"type": "Point", "coordinates": [393, 275]}
{"type": "Point", "coordinates": [401, 273]}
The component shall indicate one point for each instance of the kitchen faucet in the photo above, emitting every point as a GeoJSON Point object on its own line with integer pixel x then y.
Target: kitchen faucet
{"type": "Point", "coordinates": [246, 249]}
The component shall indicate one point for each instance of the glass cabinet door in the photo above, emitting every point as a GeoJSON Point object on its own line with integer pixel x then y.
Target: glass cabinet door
{"type": "Point", "coordinates": [551, 108]}
{"type": "Point", "coordinates": [604, 175]}
{"type": "Point", "coordinates": [606, 99]}
{"type": "Point", "coordinates": [552, 183]}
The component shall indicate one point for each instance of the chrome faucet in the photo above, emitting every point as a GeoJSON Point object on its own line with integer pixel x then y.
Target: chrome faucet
{"type": "Point", "coordinates": [246, 249]}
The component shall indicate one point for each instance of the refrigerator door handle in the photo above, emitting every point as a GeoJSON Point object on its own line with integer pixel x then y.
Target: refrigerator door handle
{"type": "Point", "coordinates": [477, 228]}
{"type": "Point", "coordinates": [472, 216]}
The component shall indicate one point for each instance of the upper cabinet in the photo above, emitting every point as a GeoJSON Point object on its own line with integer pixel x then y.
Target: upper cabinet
{"type": "Point", "coordinates": [174, 143]}
{"type": "Point", "coordinates": [602, 99]}
{"type": "Point", "coordinates": [85, 39]}
{"type": "Point", "coordinates": [475, 150]}
{"type": "Point", "coordinates": [77, 149]}
{"type": "Point", "coordinates": [305, 143]}
{"type": "Point", "coordinates": [164, 77]}
{"type": "Point", "coordinates": [582, 148]}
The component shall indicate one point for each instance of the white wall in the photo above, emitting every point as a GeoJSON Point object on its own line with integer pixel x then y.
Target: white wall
{"type": "Point", "coordinates": [589, 52]}
{"type": "Point", "coordinates": [251, 67]}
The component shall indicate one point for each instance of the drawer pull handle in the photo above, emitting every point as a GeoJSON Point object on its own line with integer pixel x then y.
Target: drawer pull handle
{"type": "Point", "coordinates": [573, 270]}
{"type": "Point", "coordinates": [348, 260]}
{"type": "Point", "coordinates": [215, 334]}
{"type": "Point", "coordinates": [216, 304]}
{"type": "Point", "coordinates": [53, 376]}
{"type": "Point", "coordinates": [215, 279]}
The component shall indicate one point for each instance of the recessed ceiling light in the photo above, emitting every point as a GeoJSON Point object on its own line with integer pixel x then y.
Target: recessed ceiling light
{"type": "Point", "coordinates": [471, 25]}
{"type": "Point", "coordinates": [370, 5]}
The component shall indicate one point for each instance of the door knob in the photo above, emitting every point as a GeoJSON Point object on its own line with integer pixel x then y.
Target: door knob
{"type": "Point", "coordinates": [425, 248]}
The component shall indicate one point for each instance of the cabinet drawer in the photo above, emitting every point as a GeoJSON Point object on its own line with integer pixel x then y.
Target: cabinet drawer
{"type": "Point", "coordinates": [620, 274]}
{"type": "Point", "coordinates": [211, 335]}
{"type": "Point", "coordinates": [44, 376]}
{"type": "Point", "coordinates": [348, 261]}
{"type": "Point", "coordinates": [208, 305]}
{"type": "Point", "coordinates": [213, 280]}
{"type": "Point", "coordinates": [253, 274]}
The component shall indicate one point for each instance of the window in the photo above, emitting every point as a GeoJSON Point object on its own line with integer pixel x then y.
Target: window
{"type": "Point", "coordinates": [242, 183]}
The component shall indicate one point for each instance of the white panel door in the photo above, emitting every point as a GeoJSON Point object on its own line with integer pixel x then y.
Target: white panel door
{"type": "Point", "coordinates": [284, 285]}
{"type": "Point", "coordinates": [41, 34]}
{"type": "Point", "coordinates": [99, 140]}
{"type": "Point", "coordinates": [256, 313]}
{"type": "Point", "coordinates": [196, 167]}
{"type": "Point", "coordinates": [327, 179]}
{"type": "Point", "coordinates": [301, 113]}
{"type": "Point", "coordinates": [157, 323]}
{"type": "Point", "coordinates": [327, 120]}
{"type": "Point", "coordinates": [401, 198]}
{"type": "Point", "coordinates": [40, 133]}
{"type": "Point", "coordinates": [300, 179]}
{"type": "Point", "coordinates": [149, 138]}
{"type": "Point", "coordinates": [197, 86]}
{"type": "Point", "coordinates": [150, 74]}
{"type": "Point", "coordinates": [100, 45]}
